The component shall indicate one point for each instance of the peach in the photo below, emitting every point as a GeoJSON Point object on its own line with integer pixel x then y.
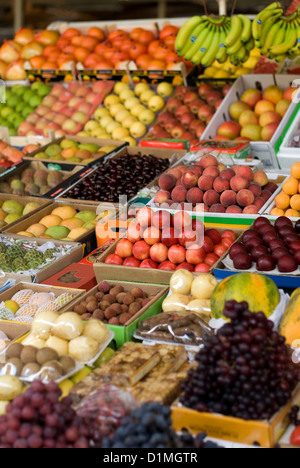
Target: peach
{"type": "Point", "coordinates": [179, 193]}
{"type": "Point", "coordinates": [271, 186]}
{"type": "Point", "coordinates": [250, 209]}
{"type": "Point", "coordinates": [221, 184]}
{"type": "Point", "coordinates": [255, 189]}
{"type": "Point", "coordinates": [201, 208]}
{"type": "Point", "coordinates": [230, 130]}
{"type": "Point", "coordinates": [167, 182]}
{"type": "Point", "coordinates": [208, 161]}
{"type": "Point", "coordinates": [227, 174]}
{"type": "Point", "coordinates": [259, 202]}
{"type": "Point", "coordinates": [134, 232]}
{"type": "Point", "coordinates": [152, 235]}
{"type": "Point", "coordinates": [238, 183]}
{"type": "Point", "coordinates": [234, 209]}
{"type": "Point", "coordinates": [211, 197]}
{"type": "Point", "coordinates": [245, 197]}
{"type": "Point", "coordinates": [213, 172]}
{"type": "Point", "coordinates": [162, 196]}
{"type": "Point", "coordinates": [188, 237]}
{"type": "Point", "coordinates": [268, 131]}
{"type": "Point", "coordinates": [269, 117]}
{"type": "Point", "coordinates": [261, 178]}
{"type": "Point", "coordinates": [248, 117]}
{"type": "Point", "coordinates": [195, 196]}
{"type": "Point", "coordinates": [205, 182]}
{"type": "Point", "coordinates": [141, 250]}
{"type": "Point", "coordinates": [175, 172]}
{"type": "Point", "coordinates": [189, 180]}
{"type": "Point", "coordinates": [144, 217]}
{"type": "Point", "coordinates": [181, 221]}
{"type": "Point", "coordinates": [245, 171]}
{"type": "Point", "coordinates": [282, 201]}
{"type": "Point", "coordinates": [290, 186]}
{"type": "Point", "coordinates": [228, 198]}
{"type": "Point", "coordinates": [195, 254]}
{"type": "Point", "coordinates": [277, 212]}
{"type": "Point", "coordinates": [273, 94]}
{"type": "Point", "coordinates": [124, 248]}
{"type": "Point", "coordinates": [251, 97]}
{"type": "Point", "coordinates": [162, 219]}
{"type": "Point", "coordinates": [159, 253]}
{"type": "Point", "coordinates": [282, 107]}
{"type": "Point", "coordinates": [253, 132]}
{"type": "Point", "coordinates": [176, 254]}
{"type": "Point", "coordinates": [237, 108]}
{"type": "Point", "coordinates": [263, 106]}
{"type": "Point", "coordinates": [292, 214]}
{"type": "Point", "coordinates": [290, 93]}
{"type": "Point", "coordinates": [217, 208]}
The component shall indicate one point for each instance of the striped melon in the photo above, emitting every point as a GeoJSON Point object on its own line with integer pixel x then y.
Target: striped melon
{"type": "Point", "coordinates": [290, 325]}
{"type": "Point", "coordinates": [259, 291]}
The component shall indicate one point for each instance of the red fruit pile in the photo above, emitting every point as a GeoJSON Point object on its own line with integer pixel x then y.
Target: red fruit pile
{"type": "Point", "coordinates": [161, 241]}
{"type": "Point", "coordinates": [188, 113]}
{"type": "Point", "coordinates": [209, 186]}
{"type": "Point", "coordinates": [268, 246]}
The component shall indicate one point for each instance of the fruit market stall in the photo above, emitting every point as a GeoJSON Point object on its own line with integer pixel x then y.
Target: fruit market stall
{"type": "Point", "coordinates": [150, 233]}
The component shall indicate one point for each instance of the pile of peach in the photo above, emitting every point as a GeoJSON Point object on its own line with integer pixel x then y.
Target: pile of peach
{"type": "Point", "coordinates": [287, 203]}
{"type": "Point", "coordinates": [208, 186]}
{"type": "Point", "coordinates": [158, 240]}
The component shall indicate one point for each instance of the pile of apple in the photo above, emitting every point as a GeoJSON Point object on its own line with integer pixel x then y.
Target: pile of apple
{"type": "Point", "coordinates": [257, 115]}
{"type": "Point", "coordinates": [9, 156]}
{"type": "Point", "coordinates": [188, 113]}
{"type": "Point", "coordinates": [158, 240]}
{"type": "Point", "coordinates": [208, 186]}
{"type": "Point", "coordinates": [66, 109]}
{"type": "Point", "coordinates": [127, 113]}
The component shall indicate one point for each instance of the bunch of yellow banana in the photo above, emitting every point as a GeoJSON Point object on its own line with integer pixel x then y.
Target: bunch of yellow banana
{"type": "Point", "coordinates": [277, 36]}
{"type": "Point", "coordinates": [204, 39]}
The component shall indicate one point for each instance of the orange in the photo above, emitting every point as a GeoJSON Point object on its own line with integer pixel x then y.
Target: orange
{"type": "Point", "coordinates": [295, 170]}
{"type": "Point", "coordinates": [292, 214]}
{"type": "Point", "coordinates": [290, 186]}
{"type": "Point", "coordinates": [277, 212]}
{"type": "Point", "coordinates": [282, 201]}
{"type": "Point", "coordinates": [295, 202]}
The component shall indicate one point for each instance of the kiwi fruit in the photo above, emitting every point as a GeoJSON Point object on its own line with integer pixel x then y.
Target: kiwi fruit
{"type": "Point", "coordinates": [14, 350]}
{"type": "Point", "coordinates": [28, 354]}
{"type": "Point", "coordinates": [68, 364]}
{"type": "Point", "coordinates": [17, 363]}
{"type": "Point", "coordinates": [30, 369]}
{"type": "Point", "coordinates": [51, 370]}
{"type": "Point", "coordinates": [46, 354]}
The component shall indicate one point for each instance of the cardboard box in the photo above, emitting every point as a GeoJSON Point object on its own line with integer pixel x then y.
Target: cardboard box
{"type": "Point", "coordinates": [266, 433]}
{"type": "Point", "coordinates": [172, 155]}
{"type": "Point", "coordinates": [89, 238]}
{"type": "Point", "coordinates": [265, 151]}
{"type": "Point", "coordinates": [93, 256]}
{"type": "Point", "coordinates": [282, 280]}
{"type": "Point", "coordinates": [42, 202]}
{"type": "Point", "coordinates": [74, 276]}
{"type": "Point", "coordinates": [105, 271]}
{"type": "Point", "coordinates": [39, 288]}
{"type": "Point", "coordinates": [233, 149]}
{"type": "Point", "coordinates": [67, 170]}
{"type": "Point", "coordinates": [125, 333]}
{"type": "Point", "coordinates": [82, 140]}
{"type": "Point", "coordinates": [74, 256]}
{"type": "Point", "coordinates": [14, 331]}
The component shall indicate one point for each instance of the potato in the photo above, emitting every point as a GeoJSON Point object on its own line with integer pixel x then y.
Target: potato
{"type": "Point", "coordinates": [96, 330]}
{"type": "Point", "coordinates": [175, 303]}
{"type": "Point", "coordinates": [68, 326]}
{"type": "Point", "coordinates": [10, 387]}
{"type": "Point", "coordinates": [181, 282]}
{"type": "Point", "coordinates": [83, 348]}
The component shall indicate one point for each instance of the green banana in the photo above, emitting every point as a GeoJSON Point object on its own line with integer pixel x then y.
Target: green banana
{"type": "Point", "coordinates": [191, 41]}
{"type": "Point", "coordinates": [247, 28]}
{"type": "Point", "coordinates": [186, 31]}
{"type": "Point", "coordinates": [196, 59]}
{"type": "Point", "coordinates": [211, 53]}
{"type": "Point", "coordinates": [235, 32]}
{"type": "Point", "coordinates": [234, 60]}
{"type": "Point", "coordinates": [198, 43]}
{"type": "Point", "coordinates": [260, 19]}
{"type": "Point", "coordinates": [246, 56]}
{"type": "Point", "coordinates": [272, 34]}
{"type": "Point", "coordinates": [267, 27]}
{"type": "Point", "coordinates": [242, 55]}
{"type": "Point", "coordinates": [250, 45]}
{"type": "Point", "coordinates": [235, 48]}
{"type": "Point", "coordinates": [289, 42]}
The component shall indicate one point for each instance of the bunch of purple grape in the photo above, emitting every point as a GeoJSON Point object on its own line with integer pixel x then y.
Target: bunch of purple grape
{"type": "Point", "coordinates": [245, 370]}
{"type": "Point", "coordinates": [38, 419]}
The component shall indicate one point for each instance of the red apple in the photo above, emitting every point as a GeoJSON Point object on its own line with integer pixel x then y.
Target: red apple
{"type": "Point", "coordinates": [141, 250]}
{"type": "Point", "coordinates": [181, 221]}
{"type": "Point", "coordinates": [159, 253]}
{"type": "Point", "coordinates": [134, 232]}
{"type": "Point", "coordinates": [150, 264]}
{"type": "Point", "coordinates": [162, 219]}
{"type": "Point", "coordinates": [195, 254]}
{"type": "Point", "coordinates": [131, 262]}
{"type": "Point", "coordinates": [152, 235]}
{"type": "Point", "coordinates": [114, 260]}
{"type": "Point", "coordinates": [202, 268]}
{"type": "Point", "coordinates": [185, 266]}
{"type": "Point", "coordinates": [168, 266]}
{"type": "Point", "coordinates": [124, 248]}
{"type": "Point", "coordinates": [177, 254]}
{"type": "Point", "coordinates": [169, 237]}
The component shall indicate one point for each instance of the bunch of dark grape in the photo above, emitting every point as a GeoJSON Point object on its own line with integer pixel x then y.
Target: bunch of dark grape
{"type": "Point", "coordinates": [122, 176]}
{"type": "Point", "coordinates": [245, 370]}
{"type": "Point", "coordinates": [294, 415]}
{"type": "Point", "coordinates": [38, 419]}
{"type": "Point", "coordinates": [150, 426]}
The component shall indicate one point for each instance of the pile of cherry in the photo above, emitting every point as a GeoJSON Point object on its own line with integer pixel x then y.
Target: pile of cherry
{"type": "Point", "coordinates": [269, 246]}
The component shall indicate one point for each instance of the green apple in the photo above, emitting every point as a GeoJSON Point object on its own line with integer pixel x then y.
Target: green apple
{"type": "Point", "coordinates": [90, 126]}
{"type": "Point", "coordinates": [115, 109]}
{"type": "Point", "coordinates": [147, 117]}
{"type": "Point", "coordinates": [120, 133]}
{"type": "Point", "coordinates": [156, 103]}
{"type": "Point", "coordinates": [6, 111]}
{"type": "Point", "coordinates": [131, 102]}
{"type": "Point", "coordinates": [141, 88]}
{"type": "Point", "coordinates": [165, 90]}
{"type": "Point", "coordinates": [100, 113]}
{"type": "Point", "coordinates": [126, 94]}
{"type": "Point", "coordinates": [111, 100]}
{"type": "Point", "coordinates": [129, 121]}
{"type": "Point", "coordinates": [122, 115]}
{"type": "Point", "coordinates": [138, 130]}
{"type": "Point", "coordinates": [137, 110]}
{"type": "Point", "coordinates": [146, 96]}
{"type": "Point", "coordinates": [119, 87]}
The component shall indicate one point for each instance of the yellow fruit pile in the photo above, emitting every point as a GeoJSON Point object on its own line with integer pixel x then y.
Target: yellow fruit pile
{"type": "Point", "coordinates": [288, 201]}
{"type": "Point", "coordinates": [229, 70]}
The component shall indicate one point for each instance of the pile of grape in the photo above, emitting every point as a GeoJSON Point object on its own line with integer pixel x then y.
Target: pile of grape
{"type": "Point", "coordinates": [38, 419]}
{"type": "Point", "coordinates": [150, 426]}
{"type": "Point", "coordinates": [245, 371]}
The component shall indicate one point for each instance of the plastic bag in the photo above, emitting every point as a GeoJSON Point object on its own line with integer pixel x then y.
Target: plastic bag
{"type": "Point", "coordinates": [188, 329]}
{"type": "Point", "coordinates": [105, 408]}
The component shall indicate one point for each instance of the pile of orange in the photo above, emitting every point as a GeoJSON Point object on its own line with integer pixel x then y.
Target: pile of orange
{"type": "Point", "coordinates": [288, 201]}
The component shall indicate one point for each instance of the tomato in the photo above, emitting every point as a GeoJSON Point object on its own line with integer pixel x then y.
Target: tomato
{"type": "Point", "coordinates": [157, 65]}
{"type": "Point", "coordinates": [143, 61]}
{"type": "Point", "coordinates": [118, 33]}
{"type": "Point", "coordinates": [120, 56]}
{"type": "Point", "coordinates": [91, 60]}
{"type": "Point", "coordinates": [146, 37]}
{"type": "Point", "coordinates": [295, 437]}
{"type": "Point", "coordinates": [135, 34]}
{"type": "Point", "coordinates": [172, 57]}
{"type": "Point", "coordinates": [71, 32]}
{"type": "Point", "coordinates": [170, 42]}
{"type": "Point", "coordinates": [152, 47]}
{"type": "Point", "coordinates": [137, 50]}
{"type": "Point", "coordinates": [168, 31]}
{"type": "Point", "coordinates": [81, 54]}
{"type": "Point", "coordinates": [127, 45]}
{"type": "Point", "coordinates": [161, 52]}
{"type": "Point", "coordinates": [97, 33]}
{"type": "Point", "coordinates": [114, 260]}
{"type": "Point", "coordinates": [110, 51]}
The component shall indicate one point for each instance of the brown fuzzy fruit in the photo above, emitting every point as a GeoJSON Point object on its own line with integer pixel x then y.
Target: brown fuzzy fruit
{"type": "Point", "coordinates": [91, 307]}
{"type": "Point", "coordinates": [98, 314]}
{"type": "Point", "coordinates": [134, 308]}
{"type": "Point", "coordinates": [28, 354]}
{"type": "Point", "coordinates": [120, 298]}
{"type": "Point", "coordinates": [14, 350]}
{"type": "Point", "coordinates": [137, 293]}
{"type": "Point", "coordinates": [114, 321]}
{"type": "Point", "coordinates": [128, 299]}
{"type": "Point", "coordinates": [124, 318]}
{"type": "Point", "coordinates": [86, 316]}
{"type": "Point", "coordinates": [80, 309]}
{"type": "Point", "coordinates": [46, 354]}
{"type": "Point", "coordinates": [104, 287]}
{"type": "Point", "coordinates": [116, 290]}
